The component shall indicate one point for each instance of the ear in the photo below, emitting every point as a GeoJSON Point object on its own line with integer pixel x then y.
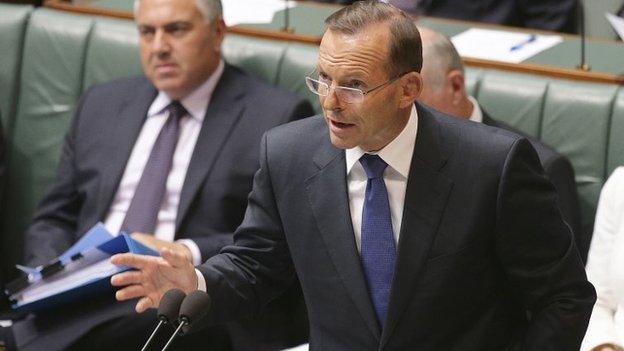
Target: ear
{"type": "Point", "coordinates": [219, 32]}
{"type": "Point", "coordinates": [411, 87]}
{"type": "Point", "coordinates": [456, 82]}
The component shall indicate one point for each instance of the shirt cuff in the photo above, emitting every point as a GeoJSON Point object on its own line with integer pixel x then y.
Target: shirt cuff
{"type": "Point", "coordinates": [201, 281]}
{"type": "Point", "coordinates": [195, 253]}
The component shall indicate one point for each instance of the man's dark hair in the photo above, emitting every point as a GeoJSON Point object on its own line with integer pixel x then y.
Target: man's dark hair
{"type": "Point", "coordinates": [405, 44]}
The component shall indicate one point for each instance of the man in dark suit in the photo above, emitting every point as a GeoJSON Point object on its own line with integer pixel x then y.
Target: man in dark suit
{"type": "Point", "coordinates": [408, 229]}
{"type": "Point", "coordinates": [444, 90]}
{"type": "Point", "coordinates": [554, 15]}
{"type": "Point", "coordinates": [169, 157]}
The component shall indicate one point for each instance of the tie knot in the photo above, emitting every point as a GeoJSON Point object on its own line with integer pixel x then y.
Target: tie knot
{"type": "Point", "coordinates": [373, 165]}
{"type": "Point", "coordinates": [176, 110]}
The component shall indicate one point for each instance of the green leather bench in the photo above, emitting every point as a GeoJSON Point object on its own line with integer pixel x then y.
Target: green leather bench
{"type": "Point", "coordinates": [55, 56]}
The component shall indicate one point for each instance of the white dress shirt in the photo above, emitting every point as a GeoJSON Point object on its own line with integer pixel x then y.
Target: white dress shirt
{"type": "Point", "coordinates": [477, 114]}
{"type": "Point", "coordinates": [398, 155]}
{"type": "Point", "coordinates": [196, 103]}
{"type": "Point", "coordinates": [605, 266]}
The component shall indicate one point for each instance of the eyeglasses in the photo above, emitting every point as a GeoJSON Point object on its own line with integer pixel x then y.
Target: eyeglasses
{"type": "Point", "coordinates": [344, 94]}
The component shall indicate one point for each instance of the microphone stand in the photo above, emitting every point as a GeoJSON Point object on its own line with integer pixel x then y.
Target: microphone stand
{"type": "Point", "coordinates": [583, 66]}
{"type": "Point", "coordinates": [153, 334]}
{"type": "Point", "coordinates": [184, 323]}
{"type": "Point", "coordinates": [287, 28]}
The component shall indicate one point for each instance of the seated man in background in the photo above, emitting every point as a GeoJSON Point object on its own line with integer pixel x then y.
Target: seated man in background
{"type": "Point", "coordinates": [554, 15]}
{"type": "Point", "coordinates": [444, 90]}
{"type": "Point", "coordinates": [170, 157]}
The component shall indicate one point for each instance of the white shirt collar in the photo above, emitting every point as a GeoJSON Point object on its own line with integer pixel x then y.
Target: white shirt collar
{"type": "Point", "coordinates": [477, 114]}
{"type": "Point", "coordinates": [394, 154]}
{"type": "Point", "coordinates": [196, 103]}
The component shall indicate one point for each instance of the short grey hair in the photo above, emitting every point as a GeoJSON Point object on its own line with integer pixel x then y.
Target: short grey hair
{"type": "Point", "coordinates": [210, 9]}
{"type": "Point", "coordinates": [439, 57]}
{"type": "Point", "coordinates": [405, 47]}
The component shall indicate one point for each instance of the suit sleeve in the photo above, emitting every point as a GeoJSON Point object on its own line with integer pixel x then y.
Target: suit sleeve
{"type": "Point", "coordinates": [211, 245]}
{"type": "Point", "coordinates": [257, 267]}
{"type": "Point", "coordinates": [561, 174]}
{"type": "Point", "coordinates": [599, 266]}
{"type": "Point", "coordinates": [539, 256]}
{"type": "Point", "coordinates": [53, 227]}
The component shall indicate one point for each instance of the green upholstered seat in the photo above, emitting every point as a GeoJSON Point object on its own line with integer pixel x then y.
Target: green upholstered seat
{"type": "Point", "coordinates": [112, 52]}
{"type": "Point", "coordinates": [516, 99]}
{"type": "Point", "coordinates": [576, 122]}
{"type": "Point", "coordinates": [13, 21]}
{"type": "Point", "coordinates": [615, 150]}
{"type": "Point", "coordinates": [54, 53]}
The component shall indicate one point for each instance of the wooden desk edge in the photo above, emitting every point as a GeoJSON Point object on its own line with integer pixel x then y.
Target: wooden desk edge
{"type": "Point", "coordinates": [542, 70]}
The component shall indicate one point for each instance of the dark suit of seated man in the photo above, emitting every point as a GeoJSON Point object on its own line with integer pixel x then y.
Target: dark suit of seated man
{"type": "Point", "coordinates": [408, 229]}
{"type": "Point", "coordinates": [444, 90]}
{"type": "Point", "coordinates": [554, 15]}
{"type": "Point", "coordinates": [170, 157]}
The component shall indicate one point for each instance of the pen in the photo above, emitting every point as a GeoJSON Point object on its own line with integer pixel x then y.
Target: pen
{"type": "Point", "coordinates": [521, 44]}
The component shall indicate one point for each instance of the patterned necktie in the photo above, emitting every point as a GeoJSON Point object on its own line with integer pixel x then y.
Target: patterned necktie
{"type": "Point", "coordinates": [148, 196]}
{"type": "Point", "coordinates": [378, 253]}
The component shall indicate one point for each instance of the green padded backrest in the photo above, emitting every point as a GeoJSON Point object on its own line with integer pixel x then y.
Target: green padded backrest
{"type": "Point", "coordinates": [516, 99]}
{"type": "Point", "coordinates": [615, 153]}
{"type": "Point", "coordinates": [50, 84]}
{"type": "Point", "coordinates": [472, 80]}
{"type": "Point", "coordinates": [576, 122]}
{"type": "Point", "coordinates": [299, 60]}
{"type": "Point", "coordinates": [261, 57]}
{"type": "Point", "coordinates": [13, 20]}
{"type": "Point", "coordinates": [112, 51]}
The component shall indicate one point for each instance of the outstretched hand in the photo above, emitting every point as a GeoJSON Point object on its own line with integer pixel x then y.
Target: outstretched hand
{"type": "Point", "coordinates": [153, 277]}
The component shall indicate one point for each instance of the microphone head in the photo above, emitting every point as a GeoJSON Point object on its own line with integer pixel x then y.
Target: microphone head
{"type": "Point", "coordinates": [169, 307]}
{"type": "Point", "coordinates": [194, 307]}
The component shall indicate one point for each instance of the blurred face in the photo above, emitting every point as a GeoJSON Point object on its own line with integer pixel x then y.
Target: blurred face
{"type": "Point", "coordinates": [359, 61]}
{"type": "Point", "coordinates": [179, 49]}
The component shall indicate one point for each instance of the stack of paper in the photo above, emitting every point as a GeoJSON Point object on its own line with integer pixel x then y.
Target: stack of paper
{"type": "Point", "coordinates": [500, 45]}
{"type": "Point", "coordinates": [81, 271]}
{"type": "Point", "coordinates": [252, 11]}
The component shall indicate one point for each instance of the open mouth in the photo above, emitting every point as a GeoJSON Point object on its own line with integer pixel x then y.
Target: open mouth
{"type": "Point", "coordinates": [340, 125]}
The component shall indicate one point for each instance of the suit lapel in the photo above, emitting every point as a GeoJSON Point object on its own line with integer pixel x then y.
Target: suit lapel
{"type": "Point", "coordinates": [425, 198]}
{"type": "Point", "coordinates": [223, 112]}
{"type": "Point", "coordinates": [328, 196]}
{"type": "Point", "coordinates": [128, 124]}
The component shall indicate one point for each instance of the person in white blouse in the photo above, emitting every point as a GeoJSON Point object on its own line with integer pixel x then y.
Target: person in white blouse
{"type": "Point", "coordinates": [605, 269]}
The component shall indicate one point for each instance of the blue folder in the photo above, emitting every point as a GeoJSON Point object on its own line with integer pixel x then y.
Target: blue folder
{"type": "Point", "coordinates": [82, 271]}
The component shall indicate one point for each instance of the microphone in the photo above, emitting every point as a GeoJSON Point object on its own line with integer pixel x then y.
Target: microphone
{"type": "Point", "coordinates": [194, 307]}
{"type": "Point", "coordinates": [168, 309]}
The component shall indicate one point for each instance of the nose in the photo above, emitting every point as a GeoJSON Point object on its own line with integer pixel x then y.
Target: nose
{"type": "Point", "coordinates": [330, 101]}
{"type": "Point", "coordinates": [160, 44]}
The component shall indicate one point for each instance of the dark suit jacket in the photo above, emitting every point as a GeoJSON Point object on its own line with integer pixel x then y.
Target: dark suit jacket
{"type": "Point", "coordinates": [555, 15]}
{"type": "Point", "coordinates": [108, 120]}
{"type": "Point", "coordinates": [482, 242]}
{"type": "Point", "coordinates": [560, 172]}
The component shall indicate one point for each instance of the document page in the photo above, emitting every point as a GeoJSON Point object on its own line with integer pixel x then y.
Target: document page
{"type": "Point", "coordinates": [252, 11]}
{"type": "Point", "coordinates": [498, 45]}
{"type": "Point", "coordinates": [617, 23]}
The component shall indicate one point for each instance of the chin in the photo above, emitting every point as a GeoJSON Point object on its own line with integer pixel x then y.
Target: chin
{"type": "Point", "coordinates": [341, 143]}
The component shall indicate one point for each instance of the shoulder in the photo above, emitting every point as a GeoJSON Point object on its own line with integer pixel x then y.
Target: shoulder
{"type": "Point", "coordinates": [119, 87]}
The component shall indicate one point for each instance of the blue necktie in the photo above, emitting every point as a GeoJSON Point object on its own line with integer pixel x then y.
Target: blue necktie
{"type": "Point", "coordinates": [142, 213]}
{"type": "Point", "coordinates": [378, 252]}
